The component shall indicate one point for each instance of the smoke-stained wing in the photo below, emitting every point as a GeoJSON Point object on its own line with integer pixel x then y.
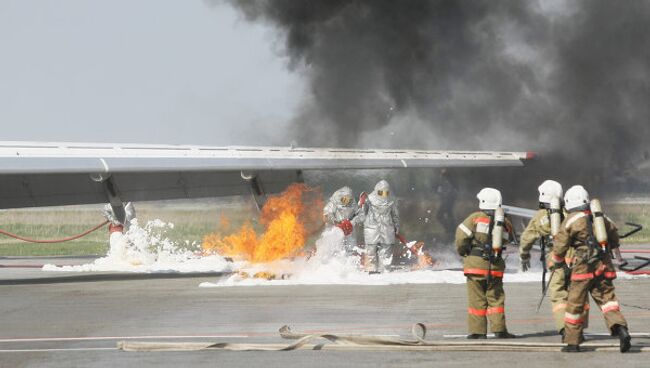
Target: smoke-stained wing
{"type": "Point", "coordinates": [48, 174]}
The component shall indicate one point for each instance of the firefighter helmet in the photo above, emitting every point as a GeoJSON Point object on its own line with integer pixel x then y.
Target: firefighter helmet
{"type": "Point", "coordinates": [576, 197]}
{"type": "Point", "coordinates": [548, 190]}
{"type": "Point", "coordinates": [489, 199]}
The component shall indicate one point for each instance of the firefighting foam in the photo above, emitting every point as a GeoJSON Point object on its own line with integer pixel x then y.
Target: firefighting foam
{"type": "Point", "coordinates": [147, 249]}
{"type": "Point", "coordinates": [330, 266]}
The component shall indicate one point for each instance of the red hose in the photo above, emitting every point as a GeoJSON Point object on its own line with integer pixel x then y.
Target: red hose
{"type": "Point", "coordinates": [54, 240]}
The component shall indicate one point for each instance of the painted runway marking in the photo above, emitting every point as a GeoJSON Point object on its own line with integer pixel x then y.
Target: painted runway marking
{"type": "Point", "coordinates": [633, 334]}
{"type": "Point", "coordinates": [50, 350]}
{"type": "Point", "coordinates": [96, 338]}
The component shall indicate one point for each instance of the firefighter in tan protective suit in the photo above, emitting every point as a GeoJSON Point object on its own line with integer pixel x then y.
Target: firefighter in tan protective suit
{"type": "Point", "coordinates": [593, 237]}
{"type": "Point", "coordinates": [539, 228]}
{"type": "Point", "coordinates": [478, 240]}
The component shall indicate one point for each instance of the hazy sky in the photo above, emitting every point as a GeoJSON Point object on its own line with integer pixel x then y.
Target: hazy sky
{"type": "Point", "coordinates": [150, 71]}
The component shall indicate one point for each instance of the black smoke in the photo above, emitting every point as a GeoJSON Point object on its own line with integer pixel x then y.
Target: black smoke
{"type": "Point", "coordinates": [568, 79]}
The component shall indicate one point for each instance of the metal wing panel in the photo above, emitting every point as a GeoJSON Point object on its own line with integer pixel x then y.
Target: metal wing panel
{"type": "Point", "coordinates": [72, 165]}
{"type": "Point", "coordinates": [77, 158]}
{"type": "Point", "coordinates": [46, 174]}
{"type": "Point", "coordinates": [519, 211]}
{"type": "Point", "coordinates": [40, 190]}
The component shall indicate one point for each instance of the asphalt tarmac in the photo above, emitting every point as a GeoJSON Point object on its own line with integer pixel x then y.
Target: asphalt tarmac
{"type": "Point", "coordinates": [78, 323]}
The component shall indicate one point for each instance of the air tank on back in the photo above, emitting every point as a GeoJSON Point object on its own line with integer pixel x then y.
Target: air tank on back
{"type": "Point", "coordinates": [599, 223]}
{"type": "Point", "coordinates": [497, 230]}
{"type": "Point", "coordinates": [556, 215]}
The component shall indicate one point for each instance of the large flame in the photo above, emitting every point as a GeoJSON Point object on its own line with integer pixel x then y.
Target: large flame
{"type": "Point", "coordinates": [288, 219]}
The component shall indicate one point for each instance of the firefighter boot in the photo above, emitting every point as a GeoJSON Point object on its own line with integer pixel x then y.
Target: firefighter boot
{"type": "Point", "coordinates": [624, 336]}
{"type": "Point", "coordinates": [504, 335]}
{"type": "Point", "coordinates": [571, 349]}
{"type": "Point", "coordinates": [477, 336]}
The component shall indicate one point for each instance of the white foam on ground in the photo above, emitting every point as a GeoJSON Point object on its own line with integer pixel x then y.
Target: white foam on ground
{"type": "Point", "coordinates": [147, 249]}
{"type": "Point", "coordinates": [329, 266]}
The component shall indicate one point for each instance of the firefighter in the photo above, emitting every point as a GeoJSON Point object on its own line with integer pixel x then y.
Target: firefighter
{"type": "Point", "coordinates": [380, 225]}
{"type": "Point", "coordinates": [592, 237]}
{"type": "Point", "coordinates": [539, 228]}
{"type": "Point", "coordinates": [342, 211]}
{"type": "Point", "coordinates": [483, 265]}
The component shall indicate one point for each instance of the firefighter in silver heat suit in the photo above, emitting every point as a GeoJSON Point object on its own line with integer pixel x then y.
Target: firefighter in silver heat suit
{"type": "Point", "coordinates": [343, 212]}
{"type": "Point", "coordinates": [380, 224]}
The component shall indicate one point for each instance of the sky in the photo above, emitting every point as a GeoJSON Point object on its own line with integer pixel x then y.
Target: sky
{"type": "Point", "coordinates": [146, 71]}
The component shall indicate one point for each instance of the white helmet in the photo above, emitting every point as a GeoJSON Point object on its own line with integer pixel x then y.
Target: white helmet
{"type": "Point", "coordinates": [548, 190]}
{"type": "Point", "coordinates": [489, 199]}
{"type": "Point", "coordinates": [576, 197]}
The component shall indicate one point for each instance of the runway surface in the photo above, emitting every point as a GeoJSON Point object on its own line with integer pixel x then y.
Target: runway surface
{"type": "Point", "coordinates": [78, 323]}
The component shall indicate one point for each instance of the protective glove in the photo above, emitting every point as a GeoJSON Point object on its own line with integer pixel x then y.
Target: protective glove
{"type": "Point", "coordinates": [345, 226]}
{"type": "Point", "coordinates": [524, 262]}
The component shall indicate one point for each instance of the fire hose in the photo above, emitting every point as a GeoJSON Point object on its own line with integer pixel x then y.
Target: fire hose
{"type": "Point", "coordinates": [50, 241]}
{"type": "Point", "coordinates": [366, 342]}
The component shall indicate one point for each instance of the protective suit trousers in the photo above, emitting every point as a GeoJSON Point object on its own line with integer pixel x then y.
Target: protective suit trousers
{"type": "Point", "coordinates": [378, 257]}
{"type": "Point", "coordinates": [559, 294]}
{"type": "Point", "coordinates": [486, 301]}
{"type": "Point", "coordinates": [602, 291]}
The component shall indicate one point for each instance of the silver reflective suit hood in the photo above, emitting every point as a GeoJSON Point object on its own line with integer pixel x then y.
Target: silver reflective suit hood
{"type": "Point", "coordinates": [335, 211]}
{"type": "Point", "coordinates": [381, 200]}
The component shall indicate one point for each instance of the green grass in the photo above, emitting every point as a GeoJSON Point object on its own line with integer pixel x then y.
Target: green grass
{"type": "Point", "coordinates": [191, 222]}
{"type": "Point", "coordinates": [636, 213]}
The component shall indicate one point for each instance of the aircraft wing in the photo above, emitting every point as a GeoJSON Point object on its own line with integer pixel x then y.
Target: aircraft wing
{"type": "Point", "coordinates": [519, 211]}
{"type": "Point", "coordinates": [34, 174]}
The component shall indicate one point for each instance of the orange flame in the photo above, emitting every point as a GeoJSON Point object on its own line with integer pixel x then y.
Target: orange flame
{"type": "Point", "coordinates": [424, 259]}
{"type": "Point", "coordinates": [288, 219]}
